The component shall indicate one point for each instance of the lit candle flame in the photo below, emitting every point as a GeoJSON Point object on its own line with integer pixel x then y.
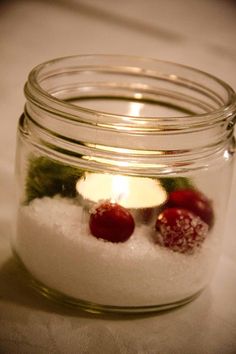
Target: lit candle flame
{"type": "Point", "coordinates": [130, 192]}
{"type": "Point", "coordinates": [120, 188]}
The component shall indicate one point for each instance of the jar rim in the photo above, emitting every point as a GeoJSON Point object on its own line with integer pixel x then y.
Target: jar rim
{"type": "Point", "coordinates": [35, 93]}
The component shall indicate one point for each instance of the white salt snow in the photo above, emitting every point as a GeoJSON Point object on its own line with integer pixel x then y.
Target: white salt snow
{"type": "Point", "coordinates": [54, 243]}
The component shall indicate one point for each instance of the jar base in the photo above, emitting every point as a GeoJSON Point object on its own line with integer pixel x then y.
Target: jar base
{"type": "Point", "coordinates": [94, 308]}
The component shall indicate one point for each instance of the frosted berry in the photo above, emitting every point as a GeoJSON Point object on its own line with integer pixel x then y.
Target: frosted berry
{"type": "Point", "coordinates": [111, 222]}
{"type": "Point", "coordinates": [194, 201]}
{"type": "Point", "coordinates": [180, 230]}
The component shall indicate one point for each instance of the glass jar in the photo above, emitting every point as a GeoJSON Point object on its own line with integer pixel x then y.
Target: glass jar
{"type": "Point", "coordinates": [124, 168]}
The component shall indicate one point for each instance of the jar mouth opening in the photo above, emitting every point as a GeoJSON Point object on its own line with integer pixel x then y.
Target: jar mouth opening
{"type": "Point", "coordinates": [174, 96]}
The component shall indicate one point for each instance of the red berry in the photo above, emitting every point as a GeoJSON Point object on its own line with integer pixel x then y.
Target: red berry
{"type": "Point", "coordinates": [180, 230]}
{"type": "Point", "coordinates": [111, 222]}
{"type": "Point", "coordinates": [194, 201]}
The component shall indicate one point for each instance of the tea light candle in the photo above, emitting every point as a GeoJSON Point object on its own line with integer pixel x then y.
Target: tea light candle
{"type": "Point", "coordinates": [141, 195]}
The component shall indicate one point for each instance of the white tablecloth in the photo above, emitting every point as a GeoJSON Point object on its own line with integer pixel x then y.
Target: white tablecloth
{"type": "Point", "coordinates": [193, 32]}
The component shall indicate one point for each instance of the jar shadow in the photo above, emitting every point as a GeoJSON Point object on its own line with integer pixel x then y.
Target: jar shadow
{"type": "Point", "coordinates": [15, 288]}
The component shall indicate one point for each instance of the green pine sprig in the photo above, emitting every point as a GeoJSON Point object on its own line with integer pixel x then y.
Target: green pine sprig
{"type": "Point", "coordinates": [47, 177]}
{"type": "Point", "coordinates": [171, 184]}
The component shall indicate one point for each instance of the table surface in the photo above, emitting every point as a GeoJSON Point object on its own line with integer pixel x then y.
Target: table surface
{"type": "Point", "coordinates": [197, 33]}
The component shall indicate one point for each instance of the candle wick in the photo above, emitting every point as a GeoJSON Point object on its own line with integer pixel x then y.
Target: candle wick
{"type": "Point", "coordinates": [117, 198]}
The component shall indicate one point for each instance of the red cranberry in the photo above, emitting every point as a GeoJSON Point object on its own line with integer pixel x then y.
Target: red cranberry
{"type": "Point", "coordinates": [194, 201]}
{"type": "Point", "coordinates": [111, 222]}
{"type": "Point", "coordinates": [180, 230]}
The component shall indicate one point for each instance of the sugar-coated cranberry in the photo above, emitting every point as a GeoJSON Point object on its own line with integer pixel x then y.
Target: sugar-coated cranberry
{"type": "Point", "coordinates": [111, 222]}
{"type": "Point", "coordinates": [194, 201]}
{"type": "Point", "coordinates": [180, 230]}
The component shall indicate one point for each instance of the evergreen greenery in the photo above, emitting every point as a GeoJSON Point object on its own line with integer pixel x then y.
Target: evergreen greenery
{"type": "Point", "coordinates": [171, 184]}
{"type": "Point", "coordinates": [47, 177]}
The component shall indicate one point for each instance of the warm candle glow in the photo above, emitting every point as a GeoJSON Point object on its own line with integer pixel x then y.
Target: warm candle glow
{"type": "Point", "coordinates": [120, 188]}
{"type": "Point", "coordinates": [130, 192]}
